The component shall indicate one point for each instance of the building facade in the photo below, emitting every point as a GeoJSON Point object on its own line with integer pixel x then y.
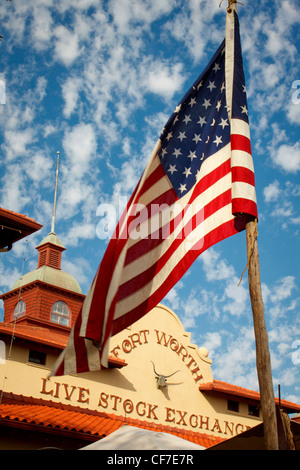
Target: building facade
{"type": "Point", "coordinates": [157, 379]}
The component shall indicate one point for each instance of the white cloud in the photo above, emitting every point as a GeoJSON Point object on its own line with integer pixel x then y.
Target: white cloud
{"type": "Point", "coordinates": [36, 165]}
{"type": "Point", "coordinates": [287, 157]}
{"type": "Point", "coordinates": [214, 267]}
{"type": "Point", "coordinates": [164, 80]}
{"type": "Point", "coordinates": [79, 268]}
{"type": "Point", "coordinates": [13, 191]}
{"type": "Point", "coordinates": [17, 141]}
{"type": "Point", "coordinates": [283, 289]}
{"type": "Point", "coordinates": [80, 146]}
{"type": "Point", "coordinates": [237, 296]}
{"type": "Point", "coordinates": [234, 361]}
{"type": "Point", "coordinates": [272, 191]}
{"type": "Point", "coordinates": [41, 25]}
{"type": "Point", "coordinates": [70, 93]}
{"type": "Point", "coordinates": [66, 45]}
{"type": "Point", "coordinates": [213, 342]}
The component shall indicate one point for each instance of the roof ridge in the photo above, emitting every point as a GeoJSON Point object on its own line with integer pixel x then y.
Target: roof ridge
{"type": "Point", "coordinates": [12, 399]}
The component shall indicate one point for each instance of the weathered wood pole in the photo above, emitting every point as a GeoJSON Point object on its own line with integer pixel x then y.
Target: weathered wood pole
{"type": "Point", "coordinates": [263, 361]}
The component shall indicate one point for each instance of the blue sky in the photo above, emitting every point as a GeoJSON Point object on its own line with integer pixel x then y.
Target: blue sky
{"type": "Point", "coordinates": [97, 81]}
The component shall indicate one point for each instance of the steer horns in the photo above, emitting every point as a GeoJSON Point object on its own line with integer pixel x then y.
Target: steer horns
{"type": "Point", "coordinates": [161, 379]}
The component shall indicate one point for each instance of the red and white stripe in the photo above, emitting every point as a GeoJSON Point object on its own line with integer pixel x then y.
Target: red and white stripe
{"type": "Point", "coordinates": [137, 272]}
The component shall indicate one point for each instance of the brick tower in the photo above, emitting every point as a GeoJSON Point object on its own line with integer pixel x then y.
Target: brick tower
{"type": "Point", "coordinates": [46, 296]}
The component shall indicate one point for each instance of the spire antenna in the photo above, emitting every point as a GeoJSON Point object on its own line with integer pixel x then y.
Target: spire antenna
{"type": "Point", "coordinates": [55, 196]}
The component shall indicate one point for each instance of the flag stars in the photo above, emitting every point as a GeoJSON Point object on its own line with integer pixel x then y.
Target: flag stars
{"type": "Point", "coordinates": [172, 169]}
{"type": "Point", "coordinates": [197, 138]}
{"type": "Point", "coordinates": [192, 102]}
{"type": "Point", "coordinates": [187, 119]}
{"type": "Point", "coordinates": [187, 172]}
{"type": "Point", "coordinates": [192, 155]}
{"type": "Point", "coordinates": [177, 152]}
{"type": "Point", "coordinates": [182, 188]}
{"type": "Point", "coordinates": [211, 86]}
{"type": "Point", "coordinates": [223, 123]}
{"type": "Point", "coordinates": [201, 121]}
{"type": "Point", "coordinates": [206, 103]}
{"type": "Point", "coordinates": [182, 136]}
{"type": "Point", "coordinates": [244, 110]}
{"type": "Point", "coordinates": [202, 128]}
{"type": "Point", "coordinates": [218, 140]}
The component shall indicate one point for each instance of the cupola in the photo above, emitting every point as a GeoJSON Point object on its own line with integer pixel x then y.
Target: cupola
{"type": "Point", "coordinates": [50, 250]}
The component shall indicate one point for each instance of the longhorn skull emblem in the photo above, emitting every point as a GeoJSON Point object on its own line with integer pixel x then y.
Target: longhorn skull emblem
{"type": "Point", "coordinates": [161, 380]}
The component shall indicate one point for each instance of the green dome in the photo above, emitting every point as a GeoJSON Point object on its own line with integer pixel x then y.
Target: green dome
{"type": "Point", "coordinates": [52, 276]}
{"type": "Point", "coordinates": [51, 238]}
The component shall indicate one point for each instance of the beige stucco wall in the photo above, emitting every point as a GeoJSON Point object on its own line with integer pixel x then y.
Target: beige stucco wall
{"type": "Point", "coordinates": [132, 391]}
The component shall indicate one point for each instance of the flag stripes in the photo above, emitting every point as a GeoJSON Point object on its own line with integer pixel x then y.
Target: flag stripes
{"type": "Point", "coordinates": [167, 225]}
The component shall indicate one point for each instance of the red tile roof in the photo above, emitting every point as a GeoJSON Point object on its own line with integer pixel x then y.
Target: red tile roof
{"type": "Point", "coordinates": [229, 389]}
{"type": "Point", "coordinates": [15, 226]}
{"type": "Point", "coordinates": [48, 335]}
{"type": "Point", "coordinates": [88, 424]}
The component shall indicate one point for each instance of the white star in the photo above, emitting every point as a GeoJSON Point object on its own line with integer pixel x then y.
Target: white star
{"type": "Point", "coordinates": [211, 86]}
{"type": "Point", "coordinates": [218, 140]}
{"type": "Point", "coordinates": [182, 136]}
{"type": "Point", "coordinates": [206, 103]}
{"type": "Point", "coordinates": [197, 138]}
{"type": "Point", "coordinates": [201, 121]}
{"type": "Point", "coordinates": [216, 67]}
{"type": "Point", "coordinates": [213, 123]}
{"type": "Point", "coordinates": [172, 169]}
{"type": "Point", "coordinates": [187, 172]}
{"type": "Point", "coordinates": [219, 103]}
{"type": "Point", "coordinates": [177, 152]}
{"type": "Point", "coordinates": [192, 155]}
{"type": "Point", "coordinates": [169, 136]}
{"type": "Point", "coordinates": [199, 85]}
{"type": "Point", "coordinates": [186, 118]}
{"type": "Point", "coordinates": [192, 102]}
{"type": "Point", "coordinates": [223, 87]}
{"type": "Point", "coordinates": [177, 109]}
{"type": "Point", "coordinates": [163, 152]}
{"type": "Point", "coordinates": [182, 188]}
{"type": "Point", "coordinates": [244, 109]}
{"type": "Point", "coordinates": [223, 123]}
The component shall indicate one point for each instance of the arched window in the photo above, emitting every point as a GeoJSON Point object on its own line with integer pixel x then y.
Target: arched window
{"type": "Point", "coordinates": [20, 309]}
{"type": "Point", "coordinates": [60, 313]}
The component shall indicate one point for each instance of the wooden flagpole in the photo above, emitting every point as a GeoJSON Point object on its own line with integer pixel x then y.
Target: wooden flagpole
{"type": "Point", "coordinates": [263, 361]}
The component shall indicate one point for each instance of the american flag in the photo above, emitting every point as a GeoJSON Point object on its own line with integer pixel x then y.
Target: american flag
{"type": "Point", "coordinates": [197, 189]}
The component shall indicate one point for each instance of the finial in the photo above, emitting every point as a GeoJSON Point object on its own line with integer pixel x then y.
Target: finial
{"type": "Point", "coordinates": [55, 195]}
{"type": "Point", "coordinates": [230, 2]}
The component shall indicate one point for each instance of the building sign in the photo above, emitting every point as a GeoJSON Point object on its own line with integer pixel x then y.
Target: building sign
{"type": "Point", "coordinates": [123, 406]}
{"type": "Point", "coordinates": [164, 339]}
{"type": "Point", "coordinates": [140, 345]}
